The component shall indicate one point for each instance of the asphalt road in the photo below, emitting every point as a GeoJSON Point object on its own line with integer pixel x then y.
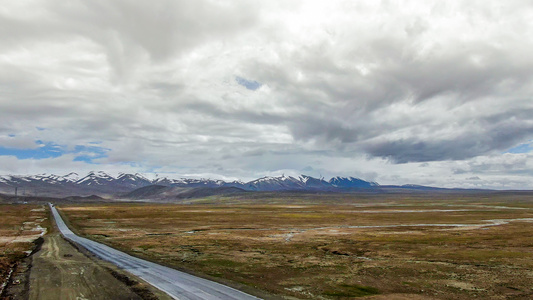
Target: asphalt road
{"type": "Point", "coordinates": [177, 284]}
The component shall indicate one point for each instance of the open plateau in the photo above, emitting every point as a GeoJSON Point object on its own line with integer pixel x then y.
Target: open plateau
{"type": "Point", "coordinates": [273, 238]}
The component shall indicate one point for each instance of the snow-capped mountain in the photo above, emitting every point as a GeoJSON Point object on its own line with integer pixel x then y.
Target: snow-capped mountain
{"type": "Point", "coordinates": [188, 182]}
{"type": "Point", "coordinates": [166, 181]}
{"type": "Point", "coordinates": [351, 182]}
{"type": "Point", "coordinates": [279, 183]}
{"type": "Point", "coordinates": [133, 180]}
{"type": "Point", "coordinates": [96, 178]}
{"type": "Point", "coordinates": [101, 183]}
{"type": "Point", "coordinates": [235, 183]}
{"type": "Point", "coordinates": [70, 177]}
{"type": "Point", "coordinates": [315, 183]}
{"type": "Point", "coordinates": [54, 179]}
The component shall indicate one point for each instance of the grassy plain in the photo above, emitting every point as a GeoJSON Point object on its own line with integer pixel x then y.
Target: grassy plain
{"type": "Point", "coordinates": [20, 225]}
{"type": "Point", "coordinates": [447, 247]}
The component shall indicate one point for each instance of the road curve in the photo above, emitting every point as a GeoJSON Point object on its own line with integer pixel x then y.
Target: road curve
{"type": "Point", "coordinates": [177, 284]}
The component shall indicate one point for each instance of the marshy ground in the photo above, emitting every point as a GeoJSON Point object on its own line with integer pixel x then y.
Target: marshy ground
{"type": "Point", "coordinates": [394, 247]}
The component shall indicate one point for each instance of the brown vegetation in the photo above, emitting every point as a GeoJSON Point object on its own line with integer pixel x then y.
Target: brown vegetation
{"type": "Point", "coordinates": [20, 225]}
{"type": "Point", "coordinates": [460, 249]}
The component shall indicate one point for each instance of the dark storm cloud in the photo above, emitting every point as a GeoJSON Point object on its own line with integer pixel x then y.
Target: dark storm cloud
{"type": "Point", "coordinates": [497, 133]}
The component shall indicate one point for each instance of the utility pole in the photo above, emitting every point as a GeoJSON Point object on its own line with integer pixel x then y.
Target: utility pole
{"type": "Point", "coordinates": [16, 191]}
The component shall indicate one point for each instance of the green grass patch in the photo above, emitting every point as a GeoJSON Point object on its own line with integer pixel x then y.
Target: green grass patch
{"type": "Point", "coordinates": [355, 290]}
{"type": "Point", "coordinates": [146, 247]}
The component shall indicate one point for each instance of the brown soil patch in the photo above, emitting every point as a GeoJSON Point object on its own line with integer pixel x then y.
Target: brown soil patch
{"type": "Point", "coordinates": [59, 271]}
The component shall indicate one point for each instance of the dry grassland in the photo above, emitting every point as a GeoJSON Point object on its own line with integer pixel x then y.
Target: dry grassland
{"type": "Point", "coordinates": [423, 249]}
{"type": "Point", "coordinates": [20, 225]}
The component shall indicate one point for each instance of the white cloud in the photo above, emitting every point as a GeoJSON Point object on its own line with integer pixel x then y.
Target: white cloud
{"type": "Point", "coordinates": [346, 87]}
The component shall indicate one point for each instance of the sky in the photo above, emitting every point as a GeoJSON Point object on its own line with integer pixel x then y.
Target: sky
{"type": "Point", "coordinates": [434, 93]}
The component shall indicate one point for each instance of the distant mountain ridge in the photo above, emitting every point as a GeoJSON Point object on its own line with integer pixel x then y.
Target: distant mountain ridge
{"type": "Point", "coordinates": [101, 183]}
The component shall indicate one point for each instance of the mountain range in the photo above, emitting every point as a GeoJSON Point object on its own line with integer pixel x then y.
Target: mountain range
{"type": "Point", "coordinates": [103, 184]}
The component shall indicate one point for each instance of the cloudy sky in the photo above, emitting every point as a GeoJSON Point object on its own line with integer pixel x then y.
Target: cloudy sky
{"type": "Point", "coordinates": [423, 92]}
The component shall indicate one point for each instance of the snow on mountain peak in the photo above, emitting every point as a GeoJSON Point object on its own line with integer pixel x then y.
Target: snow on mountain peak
{"type": "Point", "coordinates": [304, 178]}
{"type": "Point", "coordinates": [70, 177]}
{"type": "Point", "coordinates": [96, 180]}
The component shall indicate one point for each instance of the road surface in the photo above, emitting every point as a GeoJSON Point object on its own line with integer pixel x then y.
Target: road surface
{"type": "Point", "coordinates": [177, 284]}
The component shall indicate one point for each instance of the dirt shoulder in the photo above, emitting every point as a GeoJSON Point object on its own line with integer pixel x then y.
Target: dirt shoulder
{"type": "Point", "coordinates": [59, 271]}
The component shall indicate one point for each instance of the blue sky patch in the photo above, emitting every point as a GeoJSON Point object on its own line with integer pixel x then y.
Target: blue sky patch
{"type": "Point", "coordinates": [45, 150]}
{"type": "Point", "coordinates": [523, 148]}
{"type": "Point", "coordinates": [51, 150]}
{"type": "Point", "coordinates": [249, 84]}
{"type": "Point", "coordinates": [88, 153]}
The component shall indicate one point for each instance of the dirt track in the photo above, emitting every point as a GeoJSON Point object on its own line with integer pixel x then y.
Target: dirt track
{"type": "Point", "coordinates": [61, 272]}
